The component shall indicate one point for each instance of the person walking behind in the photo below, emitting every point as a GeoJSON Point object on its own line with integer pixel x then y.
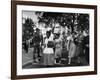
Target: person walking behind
{"type": "Point", "coordinates": [72, 50]}
{"type": "Point", "coordinates": [58, 49]}
{"type": "Point", "coordinates": [37, 40]}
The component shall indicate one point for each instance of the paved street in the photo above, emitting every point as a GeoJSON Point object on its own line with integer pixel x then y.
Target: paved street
{"type": "Point", "coordinates": [27, 61]}
{"type": "Point", "coordinates": [27, 57]}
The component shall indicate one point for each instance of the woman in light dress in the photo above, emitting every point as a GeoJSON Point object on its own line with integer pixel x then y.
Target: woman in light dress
{"type": "Point", "coordinates": [58, 49]}
{"type": "Point", "coordinates": [48, 52]}
{"type": "Point", "coordinates": [72, 50]}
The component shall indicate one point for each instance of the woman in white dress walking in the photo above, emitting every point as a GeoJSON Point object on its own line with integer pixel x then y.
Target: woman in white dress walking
{"type": "Point", "coordinates": [48, 50]}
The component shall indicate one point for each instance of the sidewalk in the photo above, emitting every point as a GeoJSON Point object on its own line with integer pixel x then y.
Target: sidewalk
{"type": "Point", "coordinates": [27, 57]}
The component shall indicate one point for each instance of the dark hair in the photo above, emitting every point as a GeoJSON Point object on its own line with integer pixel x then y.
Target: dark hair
{"type": "Point", "coordinates": [75, 41]}
{"type": "Point", "coordinates": [37, 29]}
{"type": "Point", "coordinates": [48, 33]}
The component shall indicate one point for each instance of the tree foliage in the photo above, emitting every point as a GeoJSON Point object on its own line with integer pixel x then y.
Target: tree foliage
{"type": "Point", "coordinates": [28, 28]}
{"type": "Point", "coordinates": [81, 21]}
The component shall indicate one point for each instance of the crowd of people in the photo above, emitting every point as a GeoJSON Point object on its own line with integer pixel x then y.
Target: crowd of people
{"type": "Point", "coordinates": [59, 43]}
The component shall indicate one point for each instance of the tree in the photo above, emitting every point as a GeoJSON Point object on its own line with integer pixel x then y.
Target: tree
{"type": "Point", "coordinates": [28, 29]}
{"type": "Point", "coordinates": [71, 20]}
{"type": "Point", "coordinates": [83, 21]}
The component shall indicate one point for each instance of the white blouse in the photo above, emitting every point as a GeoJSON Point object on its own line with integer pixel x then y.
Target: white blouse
{"type": "Point", "coordinates": [48, 50]}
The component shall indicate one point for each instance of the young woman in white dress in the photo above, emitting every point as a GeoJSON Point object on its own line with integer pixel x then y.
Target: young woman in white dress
{"type": "Point", "coordinates": [48, 52]}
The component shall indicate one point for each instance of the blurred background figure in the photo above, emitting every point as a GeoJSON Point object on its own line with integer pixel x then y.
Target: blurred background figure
{"type": "Point", "coordinates": [86, 45]}
{"type": "Point", "coordinates": [37, 38]}
{"type": "Point", "coordinates": [58, 48]}
{"type": "Point", "coordinates": [72, 50]}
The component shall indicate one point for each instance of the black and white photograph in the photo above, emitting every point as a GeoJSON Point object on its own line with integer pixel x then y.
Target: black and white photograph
{"type": "Point", "coordinates": [55, 39]}
{"type": "Point", "coordinates": [52, 40]}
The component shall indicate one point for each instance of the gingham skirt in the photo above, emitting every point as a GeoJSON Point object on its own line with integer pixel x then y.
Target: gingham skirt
{"type": "Point", "coordinates": [48, 56]}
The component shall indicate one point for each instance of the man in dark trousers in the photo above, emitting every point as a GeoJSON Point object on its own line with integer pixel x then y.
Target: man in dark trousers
{"type": "Point", "coordinates": [37, 40]}
{"type": "Point", "coordinates": [86, 45]}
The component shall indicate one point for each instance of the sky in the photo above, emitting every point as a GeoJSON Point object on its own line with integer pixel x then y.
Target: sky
{"type": "Point", "coordinates": [30, 14]}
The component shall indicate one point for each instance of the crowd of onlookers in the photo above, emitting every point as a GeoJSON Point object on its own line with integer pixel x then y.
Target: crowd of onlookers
{"type": "Point", "coordinates": [58, 42]}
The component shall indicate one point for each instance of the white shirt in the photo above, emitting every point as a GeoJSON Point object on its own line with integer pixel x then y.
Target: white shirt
{"type": "Point", "coordinates": [48, 50]}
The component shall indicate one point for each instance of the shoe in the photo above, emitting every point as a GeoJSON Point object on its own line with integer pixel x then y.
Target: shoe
{"type": "Point", "coordinates": [68, 63]}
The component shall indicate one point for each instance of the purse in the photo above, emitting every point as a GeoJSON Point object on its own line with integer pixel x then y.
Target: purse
{"type": "Point", "coordinates": [50, 44]}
